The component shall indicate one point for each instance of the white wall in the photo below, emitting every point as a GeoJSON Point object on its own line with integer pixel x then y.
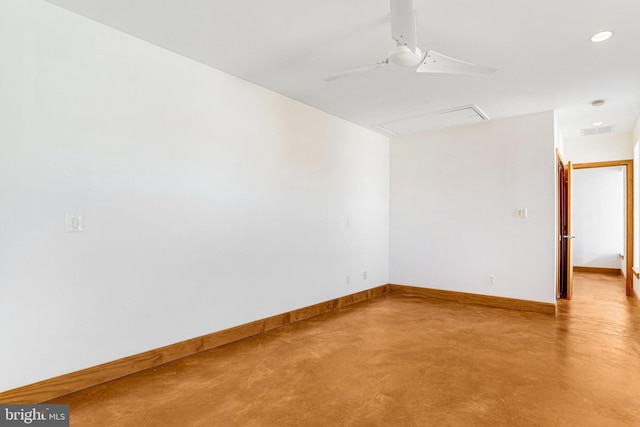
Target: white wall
{"type": "Point", "coordinates": [559, 138]}
{"type": "Point", "coordinates": [636, 206]}
{"type": "Point", "coordinates": [208, 202]}
{"type": "Point", "coordinates": [454, 195]}
{"type": "Point", "coordinates": [636, 195]}
{"type": "Point", "coordinates": [598, 217]}
{"type": "Point", "coordinates": [636, 203]}
{"type": "Point", "coordinates": [599, 148]}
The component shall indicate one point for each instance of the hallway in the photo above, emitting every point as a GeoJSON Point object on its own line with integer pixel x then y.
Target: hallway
{"type": "Point", "coordinates": [402, 360]}
{"type": "Point", "coordinates": [599, 305]}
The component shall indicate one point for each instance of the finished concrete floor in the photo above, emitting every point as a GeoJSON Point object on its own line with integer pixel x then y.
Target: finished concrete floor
{"type": "Point", "coordinates": [402, 361]}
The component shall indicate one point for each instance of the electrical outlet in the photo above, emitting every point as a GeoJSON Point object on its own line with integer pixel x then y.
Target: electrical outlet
{"type": "Point", "coordinates": [492, 280]}
{"type": "Point", "coordinates": [348, 279]}
{"type": "Point", "coordinates": [364, 276]}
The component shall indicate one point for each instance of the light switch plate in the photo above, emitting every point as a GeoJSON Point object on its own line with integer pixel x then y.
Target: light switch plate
{"type": "Point", "coordinates": [74, 223]}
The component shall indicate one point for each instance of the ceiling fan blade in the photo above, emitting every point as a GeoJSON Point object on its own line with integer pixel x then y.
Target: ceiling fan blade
{"type": "Point", "coordinates": [435, 62]}
{"type": "Point", "coordinates": [403, 23]}
{"type": "Point", "coordinates": [355, 71]}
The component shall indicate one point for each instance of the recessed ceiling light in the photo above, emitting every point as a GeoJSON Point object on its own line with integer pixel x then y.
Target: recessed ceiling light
{"type": "Point", "coordinates": [601, 36]}
{"type": "Point", "coordinates": [597, 123]}
{"type": "Point", "coordinates": [597, 103]}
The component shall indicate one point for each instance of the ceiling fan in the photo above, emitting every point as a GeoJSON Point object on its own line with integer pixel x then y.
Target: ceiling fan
{"type": "Point", "coordinates": [408, 54]}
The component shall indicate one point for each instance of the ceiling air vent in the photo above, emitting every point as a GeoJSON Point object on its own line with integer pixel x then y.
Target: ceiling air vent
{"type": "Point", "coordinates": [596, 131]}
{"type": "Point", "coordinates": [458, 116]}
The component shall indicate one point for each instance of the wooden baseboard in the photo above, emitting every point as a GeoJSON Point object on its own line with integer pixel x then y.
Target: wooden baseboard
{"type": "Point", "coordinates": [600, 270]}
{"type": "Point", "coordinates": [466, 298]}
{"type": "Point", "coordinates": [79, 380]}
{"type": "Point", "coordinates": [636, 296]}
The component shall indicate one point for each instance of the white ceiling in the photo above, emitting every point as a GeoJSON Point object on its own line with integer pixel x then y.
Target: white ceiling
{"type": "Point", "coordinates": [541, 49]}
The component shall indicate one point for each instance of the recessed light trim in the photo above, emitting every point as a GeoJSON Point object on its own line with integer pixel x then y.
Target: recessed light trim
{"type": "Point", "coordinates": [597, 123]}
{"type": "Point", "coordinates": [601, 36]}
{"type": "Point", "coordinates": [597, 103]}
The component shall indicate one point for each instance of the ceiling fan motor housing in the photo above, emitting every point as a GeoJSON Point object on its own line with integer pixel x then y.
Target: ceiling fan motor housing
{"type": "Point", "coordinates": [402, 56]}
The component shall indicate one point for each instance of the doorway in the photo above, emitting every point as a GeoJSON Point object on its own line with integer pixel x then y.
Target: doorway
{"type": "Point", "coordinates": [565, 266]}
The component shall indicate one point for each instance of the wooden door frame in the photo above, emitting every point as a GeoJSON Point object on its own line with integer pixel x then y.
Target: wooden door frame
{"type": "Point", "coordinates": [628, 164]}
{"type": "Point", "coordinates": [561, 261]}
{"type": "Point", "coordinates": [569, 174]}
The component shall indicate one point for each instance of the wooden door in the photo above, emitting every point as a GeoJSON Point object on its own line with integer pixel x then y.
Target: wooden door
{"type": "Point", "coordinates": [569, 234]}
{"type": "Point", "coordinates": [565, 259]}
{"type": "Point", "coordinates": [562, 229]}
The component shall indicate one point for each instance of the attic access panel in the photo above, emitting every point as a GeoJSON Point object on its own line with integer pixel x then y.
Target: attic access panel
{"type": "Point", "coordinates": [458, 116]}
